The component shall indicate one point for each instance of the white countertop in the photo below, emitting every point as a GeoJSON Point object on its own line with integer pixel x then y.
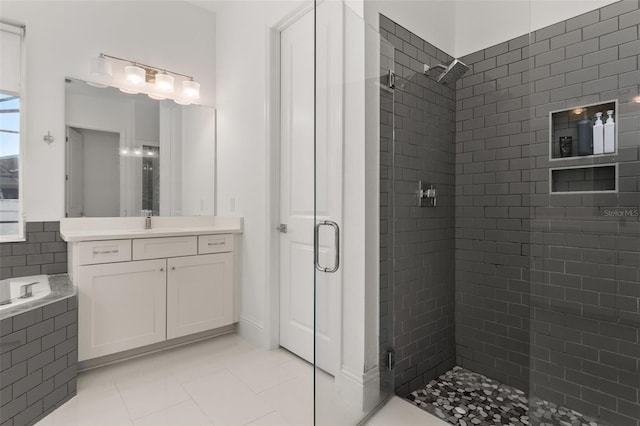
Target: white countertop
{"type": "Point", "coordinates": [113, 228]}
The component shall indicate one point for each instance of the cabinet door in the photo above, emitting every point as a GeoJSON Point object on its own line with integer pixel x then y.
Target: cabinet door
{"type": "Point", "coordinates": [199, 293]}
{"type": "Point", "coordinates": [121, 306]}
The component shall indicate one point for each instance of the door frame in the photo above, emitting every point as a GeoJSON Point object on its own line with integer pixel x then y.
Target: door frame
{"type": "Point", "coordinates": [273, 120]}
{"type": "Point", "coordinates": [121, 138]}
{"type": "Point", "coordinates": [360, 384]}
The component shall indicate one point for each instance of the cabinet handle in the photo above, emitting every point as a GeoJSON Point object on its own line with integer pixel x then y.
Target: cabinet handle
{"type": "Point", "coordinates": [173, 268]}
{"type": "Point", "coordinates": [216, 244]}
{"type": "Point", "coordinates": [161, 269]}
{"type": "Point", "coordinates": [105, 251]}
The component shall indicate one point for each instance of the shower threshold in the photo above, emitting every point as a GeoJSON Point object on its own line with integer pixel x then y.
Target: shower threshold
{"type": "Point", "coordinates": [462, 397]}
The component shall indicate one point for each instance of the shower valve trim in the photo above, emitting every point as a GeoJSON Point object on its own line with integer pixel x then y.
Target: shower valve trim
{"type": "Point", "coordinates": [426, 193]}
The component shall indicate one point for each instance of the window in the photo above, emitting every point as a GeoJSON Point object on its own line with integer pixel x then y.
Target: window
{"type": "Point", "coordinates": [11, 125]}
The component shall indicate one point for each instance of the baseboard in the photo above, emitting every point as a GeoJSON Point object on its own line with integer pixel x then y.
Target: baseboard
{"type": "Point", "coordinates": [253, 330]}
{"type": "Point", "coordinates": [361, 390]}
{"type": "Point", "coordinates": [156, 347]}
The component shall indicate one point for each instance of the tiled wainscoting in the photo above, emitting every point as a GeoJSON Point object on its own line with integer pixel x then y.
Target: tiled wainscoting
{"type": "Point", "coordinates": [38, 358]}
{"type": "Point", "coordinates": [42, 252]}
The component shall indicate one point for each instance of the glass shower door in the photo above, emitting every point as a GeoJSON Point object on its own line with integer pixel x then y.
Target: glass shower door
{"type": "Point", "coordinates": [347, 357]}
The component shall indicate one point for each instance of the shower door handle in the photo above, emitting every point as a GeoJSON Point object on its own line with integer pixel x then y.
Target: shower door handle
{"type": "Point", "coordinates": [336, 231]}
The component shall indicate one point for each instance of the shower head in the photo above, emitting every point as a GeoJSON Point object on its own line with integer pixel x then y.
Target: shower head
{"type": "Point", "coordinates": [454, 71]}
{"type": "Point", "coordinates": [451, 73]}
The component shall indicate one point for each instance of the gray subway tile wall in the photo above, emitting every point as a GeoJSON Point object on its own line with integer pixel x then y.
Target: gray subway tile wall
{"type": "Point", "coordinates": [547, 285]}
{"type": "Point", "coordinates": [421, 298]}
{"type": "Point", "coordinates": [42, 252]}
{"type": "Point", "coordinates": [38, 361]}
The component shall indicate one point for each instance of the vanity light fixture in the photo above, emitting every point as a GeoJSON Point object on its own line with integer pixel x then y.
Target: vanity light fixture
{"type": "Point", "coordinates": [134, 74]}
{"type": "Point", "coordinates": [164, 82]}
{"type": "Point", "coordinates": [136, 151]}
{"type": "Point", "coordinates": [101, 71]}
{"type": "Point", "coordinates": [190, 89]}
{"type": "Point", "coordinates": [157, 83]}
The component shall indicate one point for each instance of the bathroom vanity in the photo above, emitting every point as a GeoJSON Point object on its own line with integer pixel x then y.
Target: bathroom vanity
{"type": "Point", "coordinates": [139, 287]}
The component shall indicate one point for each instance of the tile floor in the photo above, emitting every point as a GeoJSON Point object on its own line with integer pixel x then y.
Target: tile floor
{"type": "Point", "coordinates": [463, 397]}
{"type": "Point", "coordinates": [220, 381]}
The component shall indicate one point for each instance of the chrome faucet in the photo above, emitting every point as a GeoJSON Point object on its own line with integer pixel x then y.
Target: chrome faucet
{"type": "Point", "coordinates": [26, 291]}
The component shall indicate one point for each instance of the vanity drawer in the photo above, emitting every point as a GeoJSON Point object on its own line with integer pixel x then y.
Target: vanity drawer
{"type": "Point", "coordinates": [219, 243]}
{"type": "Point", "coordinates": [154, 248]}
{"type": "Point", "coordinates": [94, 252]}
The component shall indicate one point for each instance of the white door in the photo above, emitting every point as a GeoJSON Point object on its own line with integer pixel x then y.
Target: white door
{"type": "Point", "coordinates": [199, 293]}
{"type": "Point", "coordinates": [75, 173]}
{"type": "Point", "coordinates": [121, 306]}
{"type": "Point", "coordinates": [297, 193]}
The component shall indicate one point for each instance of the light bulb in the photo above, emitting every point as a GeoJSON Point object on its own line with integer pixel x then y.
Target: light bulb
{"type": "Point", "coordinates": [101, 72]}
{"type": "Point", "coordinates": [137, 152]}
{"type": "Point", "coordinates": [164, 83]}
{"type": "Point", "coordinates": [190, 89]}
{"type": "Point", "coordinates": [134, 74]}
{"type": "Point", "coordinates": [124, 151]}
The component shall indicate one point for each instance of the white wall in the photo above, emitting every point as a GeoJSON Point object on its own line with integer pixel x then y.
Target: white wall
{"type": "Point", "coordinates": [432, 20]}
{"type": "Point", "coordinates": [147, 122]}
{"type": "Point", "coordinates": [62, 37]}
{"type": "Point", "coordinates": [198, 160]}
{"type": "Point", "coordinates": [460, 27]}
{"type": "Point", "coordinates": [243, 184]}
{"type": "Point", "coordinates": [101, 181]}
{"type": "Point", "coordinates": [503, 20]}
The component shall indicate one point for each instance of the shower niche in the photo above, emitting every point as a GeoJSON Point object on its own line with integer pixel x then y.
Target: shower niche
{"type": "Point", "coordinates": [584, 132]}
{"type": "Point", "coordinates": [584, 179]}
{"type": "Point", "coordinates": [571, 131]}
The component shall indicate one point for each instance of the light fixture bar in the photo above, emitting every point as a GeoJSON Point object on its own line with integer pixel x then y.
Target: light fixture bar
{"type": "Point", "coordinates": [146, 66]}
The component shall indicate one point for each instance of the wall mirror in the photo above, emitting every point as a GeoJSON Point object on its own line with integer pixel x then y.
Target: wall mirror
{"type": "Point", "coordinates": [127, 153]}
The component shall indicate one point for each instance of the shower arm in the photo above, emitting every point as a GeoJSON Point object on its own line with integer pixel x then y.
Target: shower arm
{"type": "Point", "coordinates": [428, 68]}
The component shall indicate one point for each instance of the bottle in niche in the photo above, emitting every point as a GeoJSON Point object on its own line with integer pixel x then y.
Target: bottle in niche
{"type": "Point", "coordinates": [585, 136]}
{"type": "Point", "coordinates": [598, 135]}
{"type": "Point", "coordinates": [565, 146]}
{"type": "Point", "coordinates": [609, 134]}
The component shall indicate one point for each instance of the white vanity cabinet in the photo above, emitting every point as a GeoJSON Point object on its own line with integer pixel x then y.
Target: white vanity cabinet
{"type": "Point", "coordinates": [199, 293]}
{"type": "Point", "coordinates": [141, 291]}
{"type": "Point", "coordinates": [121, 306]}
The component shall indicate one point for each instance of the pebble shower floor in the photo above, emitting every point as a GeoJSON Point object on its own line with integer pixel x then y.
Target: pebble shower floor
{"type": "Point", "coordinates": [462, 397]}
